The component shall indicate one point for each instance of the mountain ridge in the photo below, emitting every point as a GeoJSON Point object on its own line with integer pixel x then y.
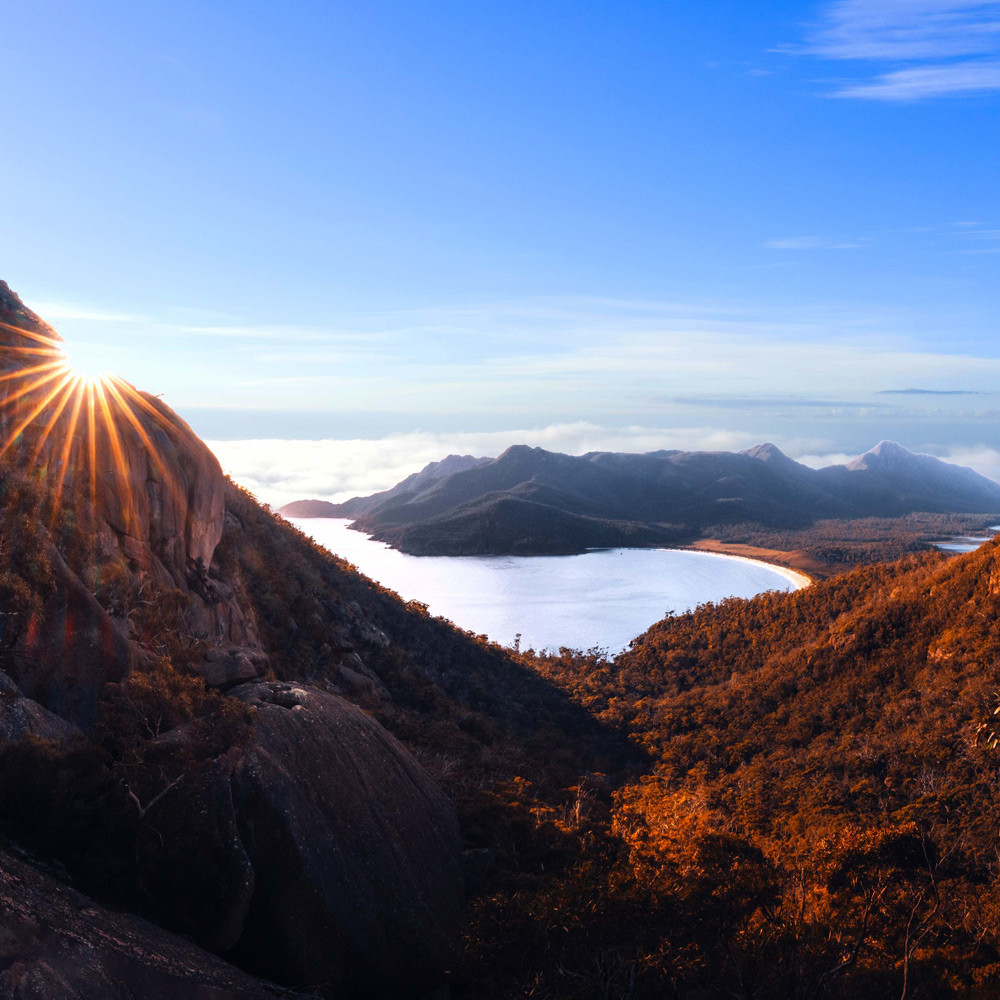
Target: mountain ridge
{"type": "Point", "coordinates": [665, 496]}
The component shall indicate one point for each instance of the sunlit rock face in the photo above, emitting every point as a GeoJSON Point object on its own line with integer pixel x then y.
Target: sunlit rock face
{"type": "Point", "coordinates": [163, 498]}
{"type": "Point", "coordinates": [157, 487]}
{"type": "Point", "coordinates": [298, 838]}
{"type": "Point", "coordinates": [155, 496]}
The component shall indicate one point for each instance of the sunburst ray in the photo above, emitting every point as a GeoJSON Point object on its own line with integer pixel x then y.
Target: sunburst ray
{"type": "Point", "coordinates": [75, 429]}
{"type": "Point", "coordinates": [47, 428]}
{"type": "Point", "coordinates": [35, 411]}
{"type": "Point", "coordinates": [123, 393]}
{"type": "Point", "coordinates": [67, 447]}
{"type": "Point", "coordinates": [120, 464]}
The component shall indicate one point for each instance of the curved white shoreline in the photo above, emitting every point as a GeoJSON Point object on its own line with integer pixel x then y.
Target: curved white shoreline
{"type": "Point", "coordinates": [799, 580]}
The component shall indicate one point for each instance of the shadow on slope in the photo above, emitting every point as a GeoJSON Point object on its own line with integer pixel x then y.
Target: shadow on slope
{"type": "Point", "coordinates": [450, 692]}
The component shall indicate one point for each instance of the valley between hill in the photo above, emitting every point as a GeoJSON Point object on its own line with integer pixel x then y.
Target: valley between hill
{"type": "Point", "coordinates": [232, 766]}
{"type": "Point", "coordinates": [827, 548]}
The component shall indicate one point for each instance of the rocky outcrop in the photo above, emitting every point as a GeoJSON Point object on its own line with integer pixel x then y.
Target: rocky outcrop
{"type": "Point", "coordinates": [324, 855]}
{"type": "Point", "coordinates": [193, 866]}
{"type": "Point", "coordinates": [56, 944]}
{"type": "Point", "coordinates": [304, 842]}
{"type": "Point", "coordinates": [22, 719]}
{"type": "Point", "coordinates": [165, 506]}
{"type": "Point", "coordinates": [155, 500]}
{"type": "Point", "coordinates": [72, 649]}
{"type": "Point", "coordinates": [361, 884]}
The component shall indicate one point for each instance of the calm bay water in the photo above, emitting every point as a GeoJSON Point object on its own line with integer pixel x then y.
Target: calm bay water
{"type": "Point", "coordinates": [603, 598]}
{"type": "Point", "coordinates": [967, 543]}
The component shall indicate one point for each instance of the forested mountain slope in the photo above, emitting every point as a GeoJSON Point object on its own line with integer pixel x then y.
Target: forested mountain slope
{"type": "Point", "coordinates": [826, 794]}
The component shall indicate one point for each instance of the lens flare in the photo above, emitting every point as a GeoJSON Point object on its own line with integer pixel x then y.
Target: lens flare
{"type": "Point", "coordinates": [74, 425]}
{"type": "Point", "coordinates": [86, 362]}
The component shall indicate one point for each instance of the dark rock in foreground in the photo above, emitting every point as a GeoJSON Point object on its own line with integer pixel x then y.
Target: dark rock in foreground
{"type": "Point", "coordinates": [56, 944]}
{"type": "Point", "coordinates": [322, 854]}
{"type": "Point", "coordinates": [359, 881]}
{"type": "Point", "coordinates": [22, 719]}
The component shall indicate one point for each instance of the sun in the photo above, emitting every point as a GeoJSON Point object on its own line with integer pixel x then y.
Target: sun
{"type": "Point", "coordinates": [72, 421]}
{"type": "Point", "coordinates": [88, 380]}
{"type": "Point", "coordinates": [86, 364]}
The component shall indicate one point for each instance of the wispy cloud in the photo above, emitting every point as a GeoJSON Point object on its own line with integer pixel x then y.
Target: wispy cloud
{"type": "Point", "coordinates": [549, 359]}
{"type": "Point", "coordinates": [927, 392]}
{"type": "Point", "coordinates": [980, 240]}
{"type": "Point", "coordinates": [928, 81]}
{"type": "Point", "coordinates": [789, 402]}
{"type": "Point", "coordinates": [930, 48]}
{"type": "Point", "coordinates": [55, 311]}
{"type": "Point", "coordinates": [277, 334]}
{"type": "Point", "coordinates": [811, 243]}
{"type": "Point", "coordinates": [907, 29]}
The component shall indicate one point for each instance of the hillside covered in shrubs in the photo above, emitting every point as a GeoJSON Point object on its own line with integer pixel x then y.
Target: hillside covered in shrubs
{"type": "Point", "coordinates": [821, 815]}
{"type": "Point", "coordinates": [253, 770]}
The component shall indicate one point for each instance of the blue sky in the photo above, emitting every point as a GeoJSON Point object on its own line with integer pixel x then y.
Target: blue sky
{"type": "Point", "coordinates": [401, 228]}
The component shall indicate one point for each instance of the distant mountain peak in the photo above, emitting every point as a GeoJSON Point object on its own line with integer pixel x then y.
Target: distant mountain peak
{"type": "Point", "coordinates": [890, 458]}
{"type": "Point", "coordinates": [767, 452]}
{"type": "Point", "coordinates": [887, 454]}
{"type": "Point", "coordinates": [451, 458]}
{"type": "Point", "coordinates": [533, 501]}
{"type": "Point", "coordinates": [886, 448]}
{"type": "Point", "coordinates": [449, 464]}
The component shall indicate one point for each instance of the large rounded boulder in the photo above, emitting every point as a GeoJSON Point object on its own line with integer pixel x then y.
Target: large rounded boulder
{"type": "Point", "coordinates": [356, 851]}
{"type": "Point", "coordinates": [319, 854]}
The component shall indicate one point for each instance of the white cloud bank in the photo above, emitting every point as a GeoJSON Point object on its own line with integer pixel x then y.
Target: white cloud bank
{"type": "Point", "coordinates": [279, 471]}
